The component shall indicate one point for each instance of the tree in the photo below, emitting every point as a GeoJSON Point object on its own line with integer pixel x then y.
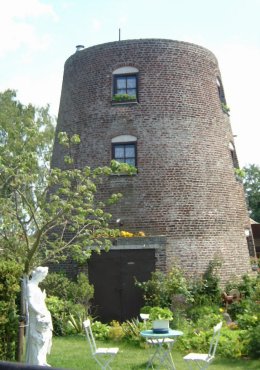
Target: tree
{"type": "Point", "coordinates": [252, 189]}
{"type": "Point", "coordinates": [47, 213]}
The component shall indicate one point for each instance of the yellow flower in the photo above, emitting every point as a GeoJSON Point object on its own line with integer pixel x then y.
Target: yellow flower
{"type": "Point", "coordinates": [221, 310]}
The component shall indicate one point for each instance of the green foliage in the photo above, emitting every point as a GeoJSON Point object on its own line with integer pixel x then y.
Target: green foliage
{"type": "Point", "coordinates": [160, 289]}
{"type": "Point", "coordinates": [79, 292]}
{"type": "Point", "coordinates": [249, 287]}
{"type": "Point", "coordinates": [247, 320]}
{"type": "Point", "coordinates": [131, 329]}
{"type": "Point", "coordinates": [252, 189]}
{"type": "Point", "coordinates": [230, 344]}
{"type": "Point", "coordinates": [9, 289]}
{"type": "Point", "coordinates": [253, 345]}
{"type": "Point", "coordinates": [197, 313]}
{"type": "Point", "coordinates": [207, 289]}
{"type": "Point", "coordinates": [82, 291]}
{"type": "Point", "coordinates": [59, 310]}
{"type": "Point", "coordinates": [40, 205]}
{"type": "Point", "coordinates": [57, 284]}
{"type": "Point", "coordinates": [123, 98]}
{"type": "Point", "coordinates": [225, 108]}
{"type": "Point", "coordinates": [116, 332]}
{"type": "Point", "coordinates": [160, 313]}
{"type": "Point", "coordinates": [69, 301]}
{"type": "Point", "coordinates": [76, 321]}
{"type": "Point", "coordinates": [100, 330]}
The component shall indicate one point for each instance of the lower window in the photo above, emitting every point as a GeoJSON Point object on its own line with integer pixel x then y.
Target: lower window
{"type": "Point", "coordinates": [124, 152]}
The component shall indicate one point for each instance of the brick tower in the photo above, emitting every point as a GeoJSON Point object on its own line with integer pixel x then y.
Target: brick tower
{"type": "Point", "coordinates": [160, 105]}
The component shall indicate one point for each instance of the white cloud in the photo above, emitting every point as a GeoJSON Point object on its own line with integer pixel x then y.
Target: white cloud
{"type": "Point", "coordinates": [45, 91]}
{"type": "Point", "coordinates": [28, 8]}
{"type": "Point", "coordinates": [15, 25]}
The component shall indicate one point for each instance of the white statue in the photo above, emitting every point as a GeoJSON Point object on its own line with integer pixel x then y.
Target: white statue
{"type": "Point", "coordinates": [39, 335]}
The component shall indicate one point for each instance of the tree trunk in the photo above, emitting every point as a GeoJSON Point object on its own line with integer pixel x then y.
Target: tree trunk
{"type": "Point", "coordinates": [23, 320]}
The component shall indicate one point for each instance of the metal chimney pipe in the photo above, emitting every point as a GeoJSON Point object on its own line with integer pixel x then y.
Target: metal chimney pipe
{"type": "Point", "coordinates": [79, 47]}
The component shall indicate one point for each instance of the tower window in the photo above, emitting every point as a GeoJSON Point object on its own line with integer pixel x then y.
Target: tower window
{"type": "Point", "coordinates": [124, 152]}
{"type": "Point", "coordinates": [125, 84]}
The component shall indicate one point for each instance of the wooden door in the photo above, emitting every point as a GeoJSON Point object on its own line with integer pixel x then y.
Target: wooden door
{"type": "Point", "coordinates": [113, 275]}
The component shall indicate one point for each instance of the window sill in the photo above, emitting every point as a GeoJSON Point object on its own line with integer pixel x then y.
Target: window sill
{"type": "Point", "coordinates": [127, 102]}
{"type": "Point", "coordinates": [123, 174]}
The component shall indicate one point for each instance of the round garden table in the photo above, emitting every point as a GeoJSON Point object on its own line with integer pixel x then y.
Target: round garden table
{"type": "Point", "coordinates": [162, 344]}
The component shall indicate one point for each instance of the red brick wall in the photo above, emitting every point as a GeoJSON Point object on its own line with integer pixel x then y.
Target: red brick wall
{"type": "Point", "coordinates": [185, 187]}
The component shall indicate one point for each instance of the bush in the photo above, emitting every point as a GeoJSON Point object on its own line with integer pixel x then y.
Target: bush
{"type": "Point", "coordinates": [80, 292]}
{"type": "Point", "coordinates": [160, 289]}
{"type": "Point", "coordinates": [253, 345]}
{"type": "Point", "coordinates": [56, 285]}
{"type": "Point", "coordinates": [68, 302]}
{"type": "Point", "coordinates": [230, 344]}
{"type": "Point", "coordinates": [9, 290]}
{"type": "Point", "coordinates": [196, 313]}
{"type": "Point", "coordinates": [116, 332]}
{"type": "Point", "coordinates": [100, 330]}
{"type": "Point", "coordinates": [206, 291]}
{"type": "Point", "coordinates": [59, 313]}
{"type": "Point", "coordinates": [131, 329]}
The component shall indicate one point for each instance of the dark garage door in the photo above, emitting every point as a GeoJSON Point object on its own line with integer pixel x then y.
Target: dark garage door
{"type": "Point", "coordinates": [112, 274]}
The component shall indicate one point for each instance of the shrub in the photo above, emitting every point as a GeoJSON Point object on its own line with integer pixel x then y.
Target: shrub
{"type": "Point", "coordinates": [196, 313]}
{"type": "Point", "coordinates": [253, 345]}
{"type": "Point", "coordinates": [9, 289]}
{"type": "Point", "coordinates": [82, 291]}
{"type": "Point", "coordinates": [206, 290]}
{"type": "Point", "coordinates": [76, 318]}
{"type": "Point", "coordinates": [58, 285]}
{"type": "Point", "coordinates": [59, 313]}
{"type": "Point", "coordinates": [100, 330]}
{"type": "Point", "coordinates": [131, 329]}
{"type": "Point", "coordinates": [160, 289]}
{"type": "Point", "coordinates": [116, 332]}
{"type": "Point", "coordinates": [247, 320]}
{"type": "Point", "coordinates": [67, 317]}
{"type": "Point", "coordinates": [230, 344]}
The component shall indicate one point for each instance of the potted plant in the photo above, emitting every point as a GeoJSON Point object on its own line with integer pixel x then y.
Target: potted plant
{"type": "Point", "coordinates": [161, 318]}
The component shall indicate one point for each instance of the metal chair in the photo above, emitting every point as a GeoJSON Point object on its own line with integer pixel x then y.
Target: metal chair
{"type": "Point", "coordinates": [201, 360]}
{"type": "Point", "coordinates": [103, 356]}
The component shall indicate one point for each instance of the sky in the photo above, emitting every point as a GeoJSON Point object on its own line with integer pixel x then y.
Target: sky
{"type": "Point", "coordinates": [37, 36]}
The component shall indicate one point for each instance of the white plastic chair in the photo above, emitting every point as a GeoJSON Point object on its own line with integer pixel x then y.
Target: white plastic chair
{"type": "Point", "coordinates": [201, 360]}
{"type": "Point", "coordinates": [103, 356]}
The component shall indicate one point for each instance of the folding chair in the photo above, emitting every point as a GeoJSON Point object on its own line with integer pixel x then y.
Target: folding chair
{"type": "Point", "coordinates": [201, 360]}
{"type": "Point", "coordinates": [103, 356]}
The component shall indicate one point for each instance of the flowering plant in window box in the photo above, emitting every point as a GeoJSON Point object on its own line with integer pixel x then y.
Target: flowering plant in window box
{"type": "Point", "coordinates": [127, 234]}
{"type": "Point", "coordinates": [123, 98]}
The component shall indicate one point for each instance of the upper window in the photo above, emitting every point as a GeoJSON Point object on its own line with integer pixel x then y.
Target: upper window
{"type": "Point", "coordinates": [222, 98]}
{"type": "Point", "coordinates": [233, 155]}
{"type": "Point", "coordinates": [124, 149]}
{"type": "Point", "coordinates": [125, 84]}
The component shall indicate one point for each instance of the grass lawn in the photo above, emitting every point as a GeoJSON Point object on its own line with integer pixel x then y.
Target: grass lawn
{"type": "Point", "coordinates": [74, 353]}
